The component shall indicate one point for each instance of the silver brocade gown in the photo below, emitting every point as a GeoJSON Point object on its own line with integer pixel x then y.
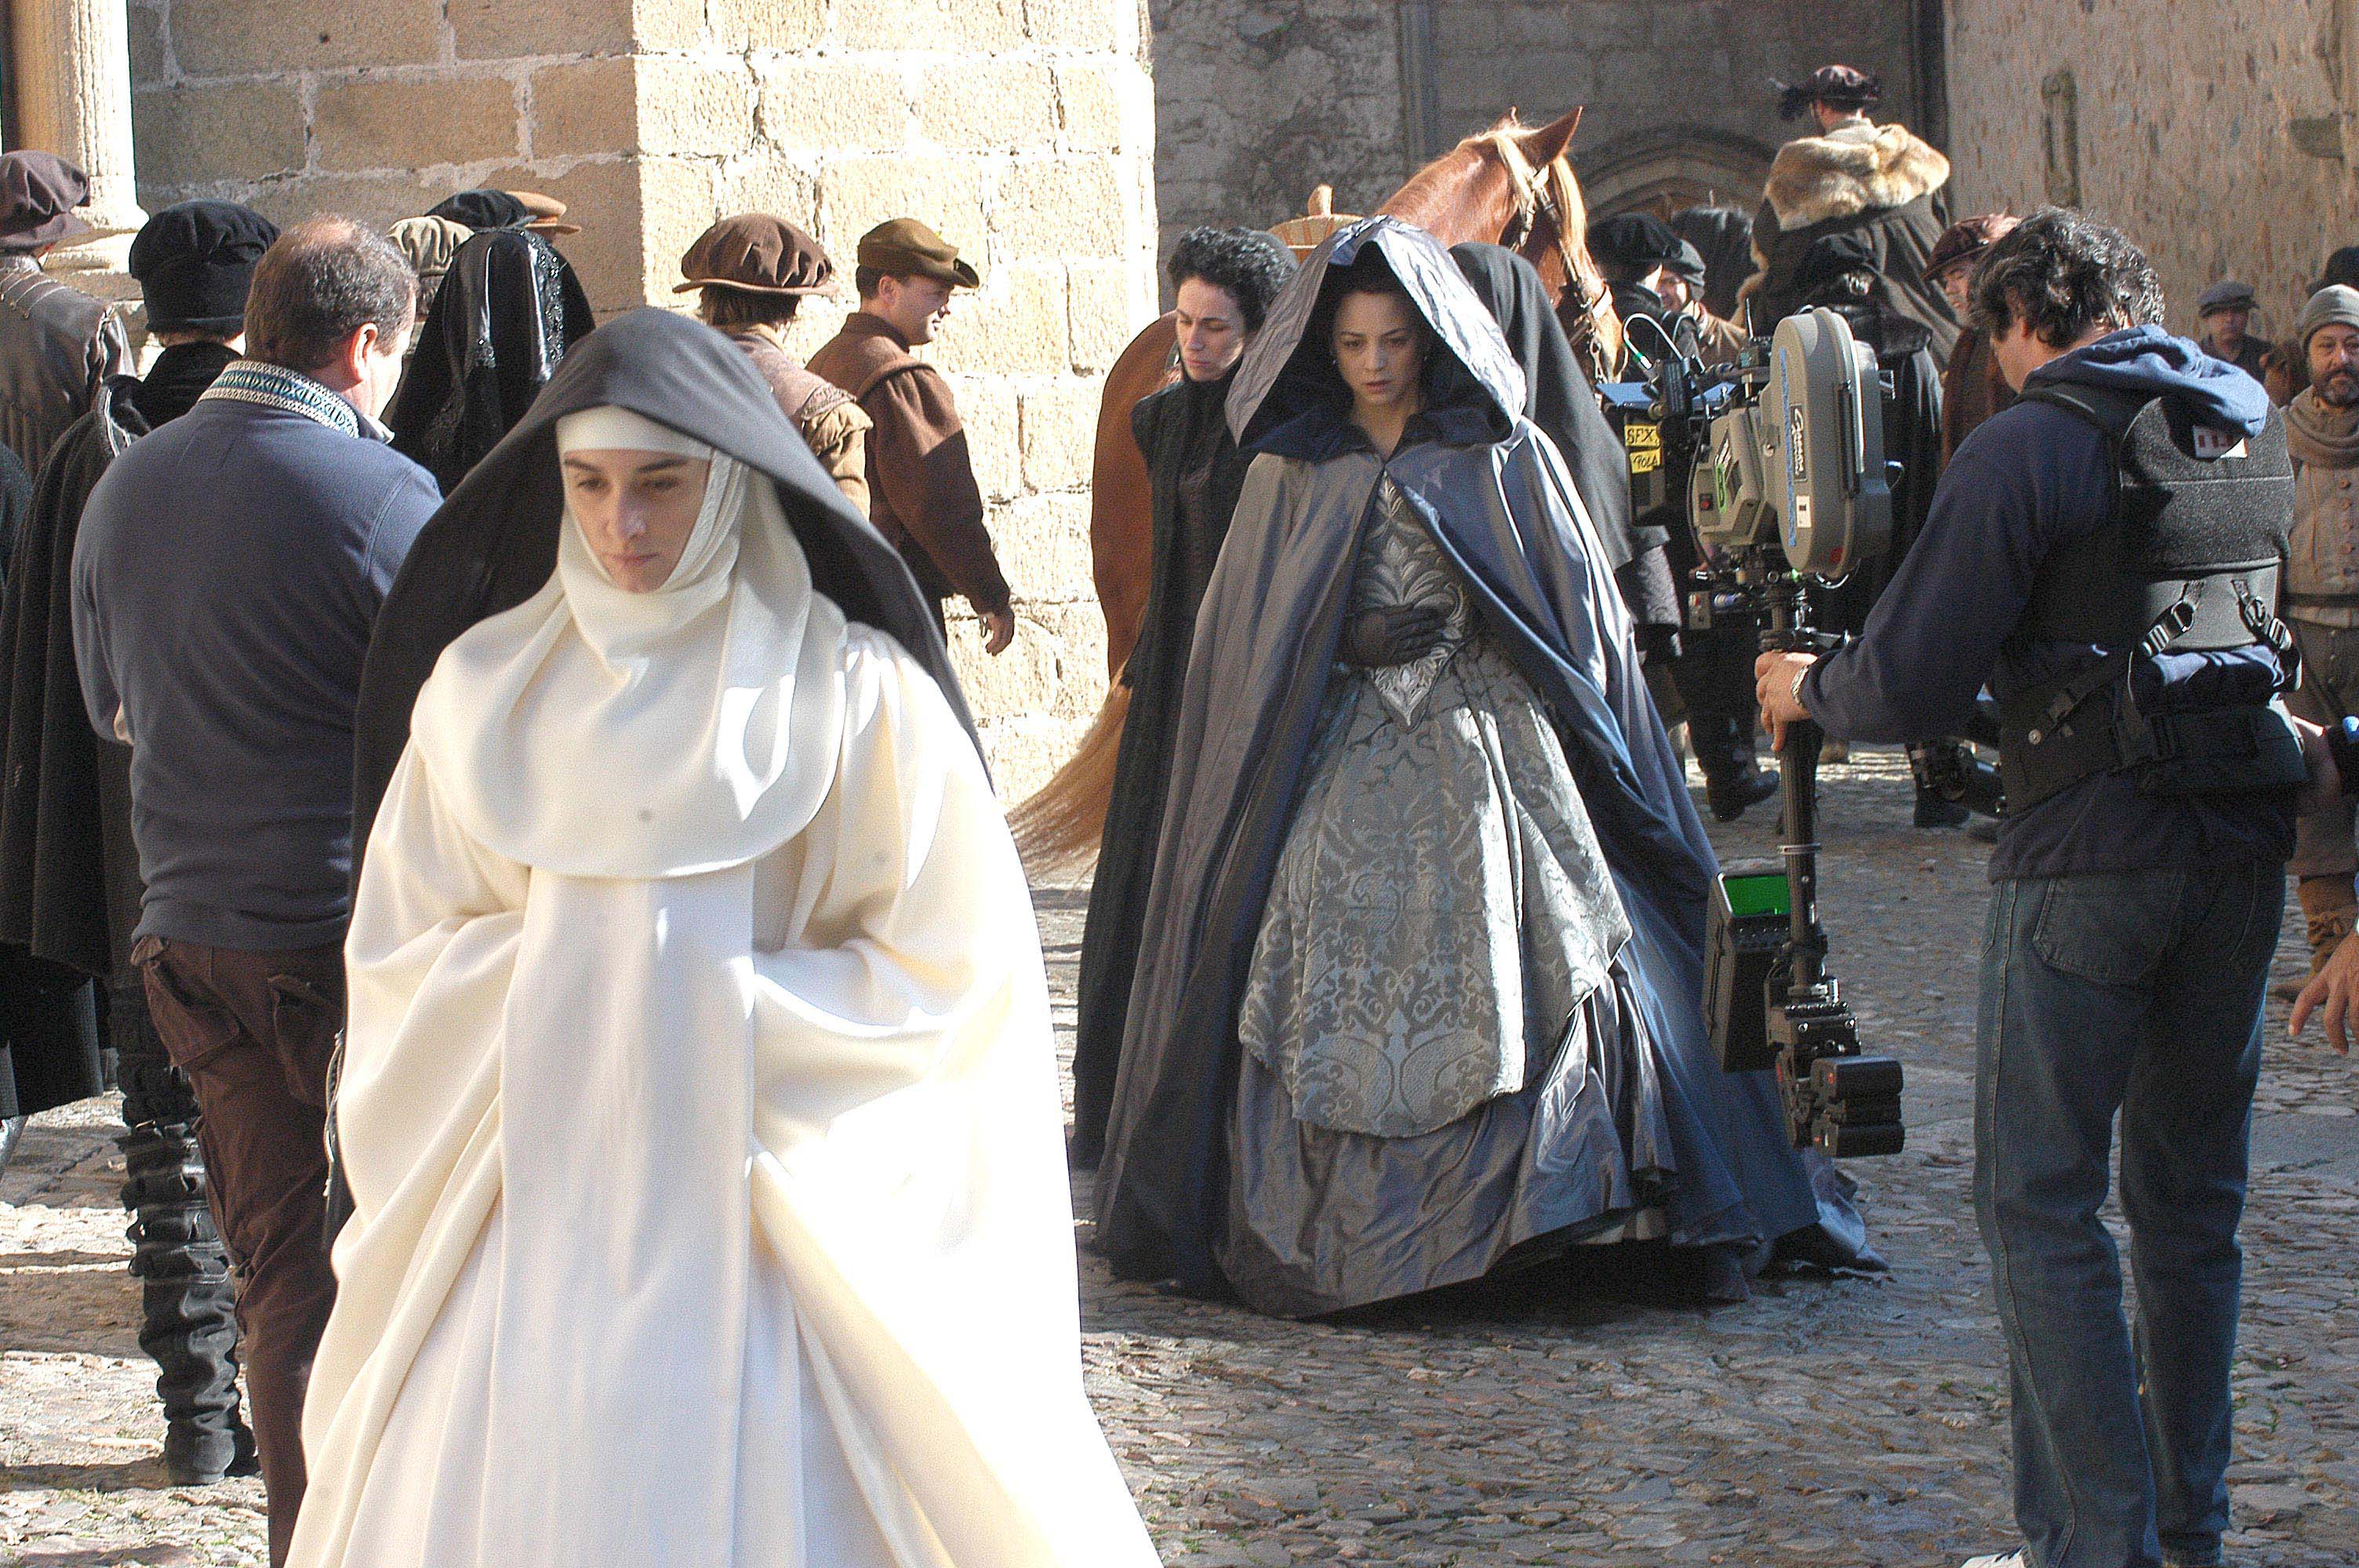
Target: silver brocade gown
{"type": "Point", "coordinates": [1441, 1063]}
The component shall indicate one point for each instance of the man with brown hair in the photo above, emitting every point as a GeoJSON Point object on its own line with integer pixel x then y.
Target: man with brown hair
{"type": "Point", "coordinates": [225, 581]}
{"type": "Point", "coordinates": [751, 274]}
{"type": "Point", "coordinates": [923, 497]}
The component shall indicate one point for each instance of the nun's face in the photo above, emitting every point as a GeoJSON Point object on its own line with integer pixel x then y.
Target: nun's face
{"type": "Point", "coordinates": [636, 510]}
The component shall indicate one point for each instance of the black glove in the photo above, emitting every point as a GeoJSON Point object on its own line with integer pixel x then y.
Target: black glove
{"type": "Point", "coordinates": [1398, 635]}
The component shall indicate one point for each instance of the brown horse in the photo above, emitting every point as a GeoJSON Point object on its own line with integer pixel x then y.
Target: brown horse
{"type": "Point", "coordinates": [1511, 185]}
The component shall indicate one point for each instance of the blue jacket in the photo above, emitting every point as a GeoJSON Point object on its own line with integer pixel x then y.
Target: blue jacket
{"type": "Point", "coordinates": [2027, 482]}
{"type": "Point", "coordinates": [226, 578]}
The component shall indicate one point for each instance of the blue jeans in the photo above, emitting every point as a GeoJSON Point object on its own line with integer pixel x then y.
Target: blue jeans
{"type": "Point", "coordinates": [2137, 992]}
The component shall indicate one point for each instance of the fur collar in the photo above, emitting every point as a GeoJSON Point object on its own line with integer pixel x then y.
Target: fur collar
{"type": "Point", "coordinates": [1856, 170]}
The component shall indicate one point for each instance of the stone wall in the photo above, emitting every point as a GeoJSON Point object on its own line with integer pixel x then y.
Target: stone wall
{"type": "Point", "coordinates": [1020, 128]}
{"type": "Point", "coordinates": [2216, 135]}
{"type": "Point", "coordinates": [1257, 100]}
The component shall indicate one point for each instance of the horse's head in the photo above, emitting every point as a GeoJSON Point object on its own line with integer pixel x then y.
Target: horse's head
{"type": "Point", "coordinates": [1514, 185]}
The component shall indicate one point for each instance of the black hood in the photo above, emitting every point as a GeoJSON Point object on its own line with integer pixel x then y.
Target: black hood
{"type": "Point", "coordinates": [493, 545]}
{"type": "Point", "coordinates": [1289, 373]}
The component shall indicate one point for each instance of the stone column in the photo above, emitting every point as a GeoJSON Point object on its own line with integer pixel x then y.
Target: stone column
{"type": "Point", "coordinates": [72, 63]}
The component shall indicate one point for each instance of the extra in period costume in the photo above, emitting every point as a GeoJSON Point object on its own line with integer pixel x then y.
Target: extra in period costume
{"type": "Point", "coordinates": [688, 922]}
{"type": "Point", "coordinates": [1421, 994]}
{"type": "Point", "coordinates": [505, 316]}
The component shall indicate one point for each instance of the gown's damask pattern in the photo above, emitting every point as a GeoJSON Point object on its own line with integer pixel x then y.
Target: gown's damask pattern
{"type": "Point", "coordinates": [1442, 907]}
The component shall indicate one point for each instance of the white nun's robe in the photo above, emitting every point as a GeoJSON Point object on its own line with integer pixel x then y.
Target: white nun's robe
{"type": "Point", "coordinates": [718, 1217]}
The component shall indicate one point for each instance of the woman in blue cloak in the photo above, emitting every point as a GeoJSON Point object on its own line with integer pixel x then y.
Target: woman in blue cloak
{"type": "Point", "coordinates": [1420, 996]}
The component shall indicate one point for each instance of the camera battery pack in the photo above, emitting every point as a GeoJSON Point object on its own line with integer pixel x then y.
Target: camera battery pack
{"type": "Point", "coordinates": [1743, 929]}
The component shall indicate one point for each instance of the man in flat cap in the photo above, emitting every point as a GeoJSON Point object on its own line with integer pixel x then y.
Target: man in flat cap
{"type": "Point", "coordinates": [1853, 176]}
{"type": "Point", "coordinates": [922, 494]}
{"type": "Point", "coordinates": [750, 274]}
{"type": "Point", "coordinates": [1972, 388]}
{"type": "Point", "coordinates": [58, 345]}
{"type": "Point", "coordinates": [2319, 594]}
{"type": "Point", "coordinates": [429, 242]}
{"type": "Point", "coordinates": [2225, 310]}
{"type": "Point", "coordinates": [65, 818]}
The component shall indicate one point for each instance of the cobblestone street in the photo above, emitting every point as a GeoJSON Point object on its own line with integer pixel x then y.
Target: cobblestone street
{"type": "Point", "coordinates": [1555, 1419]}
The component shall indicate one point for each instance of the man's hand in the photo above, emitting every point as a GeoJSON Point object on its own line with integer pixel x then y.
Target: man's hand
{"type": "Point", "coordinates": [2334, 987]}
{"type": "Point", "coordinates": [2325, 786]}
{"type": "Point", "coordinates": [998, 631]}
{"type": "Point", "coordinates": [1773, 677]}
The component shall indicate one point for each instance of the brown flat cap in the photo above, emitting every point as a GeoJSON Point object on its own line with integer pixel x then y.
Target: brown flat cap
{"type": "Point", "coordinates": [906, 248]}
{"type": "Point", "coordinates": [38, 193]}
{"type": "Point", "coordinates": [1964, 240]}
{"type": "Point", "coordinates": [548, 213]}
{"type": "Point", "coordinates": [757, 254]}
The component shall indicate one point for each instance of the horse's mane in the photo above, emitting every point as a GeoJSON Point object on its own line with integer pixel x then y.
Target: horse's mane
{"type": "Point", "coordinates": [1431, 188]}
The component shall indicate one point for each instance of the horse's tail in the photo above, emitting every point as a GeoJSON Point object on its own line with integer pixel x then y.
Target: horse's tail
{"type": "Point", "coordinates": [1059, 826]}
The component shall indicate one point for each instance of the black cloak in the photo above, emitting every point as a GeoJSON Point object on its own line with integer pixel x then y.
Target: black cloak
{"type": "Point", "coordinates": [502, 321]}
{"type": "Point", "coordinates": [48, 1019]}
{"type": "Point", "coordinates": [1197, 470]}
{"type": "Point", "coordinates": [1559, 399]}
{"type": "Point", "coordinates": [1507, 520]}
{"type": "Point", "coordinates": [493, 544]}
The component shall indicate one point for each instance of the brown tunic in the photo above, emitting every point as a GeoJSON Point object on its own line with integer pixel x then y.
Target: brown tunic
{"type": "Point", "coordinates": [923, 497]}
{"type": "Point", "coordinates": [1973, 389]}
{"type": "Point", "coordinates": [831, 422]}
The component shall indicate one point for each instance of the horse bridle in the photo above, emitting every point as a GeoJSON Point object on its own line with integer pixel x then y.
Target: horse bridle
{"type": "Point", "coordinates": [1548, 190]}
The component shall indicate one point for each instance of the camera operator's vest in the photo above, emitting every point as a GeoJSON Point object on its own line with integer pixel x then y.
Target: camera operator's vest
{"type": "Point", "coordinates": [2188, 563]}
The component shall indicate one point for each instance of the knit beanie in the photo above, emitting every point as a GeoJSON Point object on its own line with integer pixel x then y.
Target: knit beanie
{"type": "Point", "coordinates": [2337, 305]}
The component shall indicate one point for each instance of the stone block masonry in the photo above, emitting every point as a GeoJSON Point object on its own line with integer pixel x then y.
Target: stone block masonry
{"type": "Point", "coordinates": [1022, 129]}
{"type": "Point", "coordinates": [2221, 138]}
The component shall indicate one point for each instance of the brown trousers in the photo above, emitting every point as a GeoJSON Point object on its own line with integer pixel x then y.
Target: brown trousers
{"type": "Point", "coordinates": [254, 1033]}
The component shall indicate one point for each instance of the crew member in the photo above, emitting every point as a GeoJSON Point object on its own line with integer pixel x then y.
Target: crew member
{"type": "Point", "coordinates": [2152, 789]}
{"type": "Point", "coordinates": [922, 494]}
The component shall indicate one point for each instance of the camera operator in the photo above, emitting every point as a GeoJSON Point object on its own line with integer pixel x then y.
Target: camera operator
{"type": "Point", "coordinates": [2139, 876]}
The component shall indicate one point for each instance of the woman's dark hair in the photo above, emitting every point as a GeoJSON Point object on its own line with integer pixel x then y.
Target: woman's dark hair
{"type": "Point", "coordinates": [1250, 265]}
{"type": "Point", "coordinates": [728, 309]}
{"type": "Point", "coordinates": [2063, 274]}
{"type": "Point", "coordinates": [323, 280]}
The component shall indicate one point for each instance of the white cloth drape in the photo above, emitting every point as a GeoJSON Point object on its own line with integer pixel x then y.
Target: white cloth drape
{"type": "Point", "coordinates": [715, 1217]}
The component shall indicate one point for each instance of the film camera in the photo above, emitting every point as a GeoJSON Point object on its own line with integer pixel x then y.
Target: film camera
{"type": "Point", "coordinates": [1777, 474]}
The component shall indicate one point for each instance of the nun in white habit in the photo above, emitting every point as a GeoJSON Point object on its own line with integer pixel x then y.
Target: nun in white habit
{"type": "Point", "coordinates": [698, 1105]}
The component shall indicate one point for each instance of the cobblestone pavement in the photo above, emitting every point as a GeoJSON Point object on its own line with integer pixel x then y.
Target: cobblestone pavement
{"type": "Point", "coordinates": [1555, 1421]}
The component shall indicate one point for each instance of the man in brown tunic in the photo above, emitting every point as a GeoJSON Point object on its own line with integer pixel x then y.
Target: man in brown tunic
{"type": "Point", "coordinates": [752, 272]}
{"type": "Point", "coordinates": [922, 494]}
{"type": "Point", "coordinates": [58, 345]}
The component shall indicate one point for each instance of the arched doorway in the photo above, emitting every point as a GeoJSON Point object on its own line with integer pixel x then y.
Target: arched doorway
{"type": "Point", "coordinates": [1666, 170]}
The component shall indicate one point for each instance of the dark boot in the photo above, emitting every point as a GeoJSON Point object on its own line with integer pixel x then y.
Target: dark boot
{"type": "Point", "coordinates": [1730, 794]}
{"type": "Point", "coordinates": [187, 1302]}
{"type": "Point", "coordinates": [1933, 811]}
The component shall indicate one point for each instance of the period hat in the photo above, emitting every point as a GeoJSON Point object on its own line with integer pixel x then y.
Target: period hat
{"type": "Point", "coordinates": [2336, 304]}
{"type": "Point", "coordinates": [1962, 243]}
{"type": "Point", "coordinates": [482, 208]}
{"type": "Point", "coordinates": [1837, 86]}
{"type": "Point", "coordinates": [195, 262]}
{"type": "Point", "coordinates": [2225, 295]}
{"type": "Point", "coordinates": [1688, 264]}
{"type": "Point", "coordinates": [38, 193]}
{"type": "Point", "coordinates": [906, 248]}
{"type": "Point", "coordinates": [1639, 240]}
{"type": "Point", "coordinates": [429, 242]}
{"type": "Point", "coordinates": [756, 254]}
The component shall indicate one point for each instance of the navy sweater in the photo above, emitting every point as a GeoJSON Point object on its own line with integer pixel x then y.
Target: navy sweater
{"type": "Point", "coordinates": [2026, 483]}
{"type": "Point", "coordinates": [226, 578]}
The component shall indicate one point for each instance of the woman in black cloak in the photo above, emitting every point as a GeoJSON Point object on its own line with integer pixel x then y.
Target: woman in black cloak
{"type": "Point", "coordinates": [1559, 400]}
{"type": "Point", "coordinates": [1226, 279]}
{"type": "Point", "coordinates": [1422, 990]}
{"type": "Point", "coordinates": [502, 321]}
